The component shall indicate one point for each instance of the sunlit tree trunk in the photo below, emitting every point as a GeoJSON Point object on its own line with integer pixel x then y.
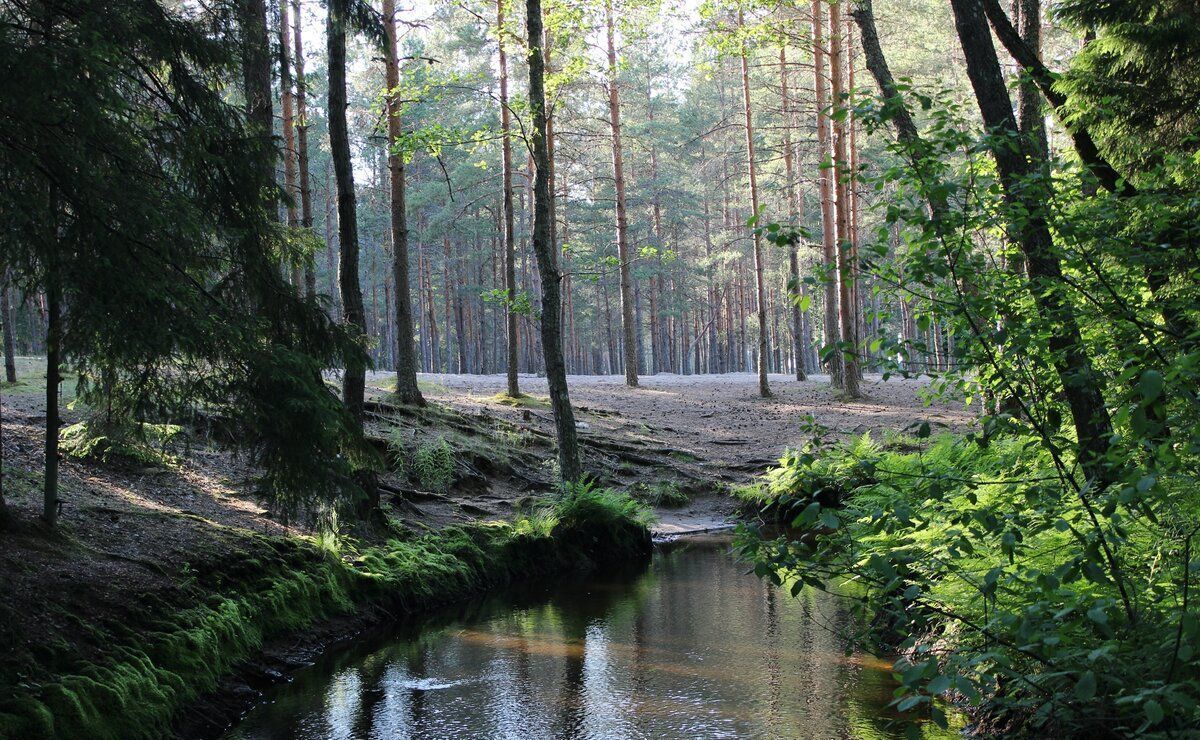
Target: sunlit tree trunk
{"type": "Point", "coordinates": [825, 187]}
{"type": "Point", "coordinates": [628, 327]}
{"type": "Point", "coordinates": [760, 292]}
{"type": "Point", "coordinates": [842, 177]}
{"type": "Point", "coordinates": [793, 287]}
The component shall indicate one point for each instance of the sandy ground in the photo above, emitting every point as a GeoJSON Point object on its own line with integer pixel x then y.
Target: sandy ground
{"type": "Point", "coordinates": [713, 428]}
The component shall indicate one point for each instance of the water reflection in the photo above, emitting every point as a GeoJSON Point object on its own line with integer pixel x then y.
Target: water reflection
{"type": "Point", "coordinates": [691, 647]}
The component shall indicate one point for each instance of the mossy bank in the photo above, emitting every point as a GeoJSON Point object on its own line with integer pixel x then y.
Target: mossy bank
{"type": "Point", "coordinates": [159, 658]}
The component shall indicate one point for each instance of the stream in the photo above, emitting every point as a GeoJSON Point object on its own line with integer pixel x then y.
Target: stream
{"type": "Point", "coordinates": [690, 646]}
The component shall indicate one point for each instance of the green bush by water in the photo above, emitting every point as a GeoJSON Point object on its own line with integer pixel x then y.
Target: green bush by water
{"type": "Point", "coordinates": [993, 578]}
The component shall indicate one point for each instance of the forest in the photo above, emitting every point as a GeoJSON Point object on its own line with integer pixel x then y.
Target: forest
{"type": "Point", "coordinates": [397, 342]}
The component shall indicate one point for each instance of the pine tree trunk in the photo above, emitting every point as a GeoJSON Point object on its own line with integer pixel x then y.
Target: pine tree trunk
{"type": "Point", "coordinates": [543, 249]}
{"type": "Point", "coordinates": [353, 314]}
{"type": "Point", "coordinates": [793, 287]}
{"type": "Point", "coordinates": [760, 291]}
{"type": "Point", "coordinates": [289, 133]}
{"type": "Point", "coordinates": [510, 249]}
{"type": "Point", "coordinates": [833, 358]}
{"type": "Point", "coordinates": [6, 316]}
{"type": "Point", "coordinates": [53, 379]}
{"type": "Point", "coordinates": [628, 327]}
{"type": "Point", "coordinates": [256, 84]}
{"type": "Point", "coordinates": [306, 212]}
{"type": "Point", "coordinates": [447, 301]}
{"type": "Point", "coordinates": [842, 177]}
{"type": "Point", "coordinates": [407, 390]}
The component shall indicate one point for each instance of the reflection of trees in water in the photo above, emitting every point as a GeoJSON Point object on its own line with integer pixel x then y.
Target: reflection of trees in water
{"type": "Point", "coordinates": [693, 641]}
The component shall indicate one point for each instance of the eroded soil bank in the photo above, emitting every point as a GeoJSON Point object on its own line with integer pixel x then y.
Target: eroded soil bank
{"type": "Point", "coordinates": [147, 551]}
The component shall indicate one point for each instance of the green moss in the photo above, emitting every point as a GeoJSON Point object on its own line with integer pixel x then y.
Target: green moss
{"type": "Point", "coordinates": [136, 689]}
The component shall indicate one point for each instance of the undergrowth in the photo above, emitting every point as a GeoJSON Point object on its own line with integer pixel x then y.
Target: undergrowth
{"type": "Point", "coordinates": [974, 560]}
{"type": "Point", "coordinates": [139, 444]}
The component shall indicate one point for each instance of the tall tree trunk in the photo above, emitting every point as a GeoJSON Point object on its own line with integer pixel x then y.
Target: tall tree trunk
{"type": "Point", "coordinates": [406, 359]}
{"type": "Point", "coordinates": [290, 190]}
{"type": "Point", "coordinates": [447, 302]}
{"type": "Point", "coordinates": [760, 291]}
{"type": "Point", "coordinates": [510, 250]}
{"type": "Point", "coordinates": [6, 316]}
{"type": "Point", "coordinates": [256, 84]}
{"type": "Point", "coordinates": [53, 379]}
{"type": "Point", "coordinates": [628, 327]}
{"type": "Point", "coordinates": [842, 177]}
{"type": "Point", "coordinates": [353, 314]}
{"type": "Point", "coordinates": [657, 363]}
{"type": "Point", "coordinates": [306, 212]}
{"type": "Point", "coordinates": [543, 249]}
{"type": "Point", "coordinates": [793, 287]}
{"type": "Point", "coordinates": [825, 186]}
{"type": "Point", "coordinates": [1016, 166]}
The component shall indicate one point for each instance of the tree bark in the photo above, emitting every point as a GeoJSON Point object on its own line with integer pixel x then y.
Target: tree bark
{"type": "Point", "coordinates": [510, 250]}
{"type": "Point", "coordinates": [291, 193]}
{"type": "Point", "coordinates": [825, 188]}
{"type": "Point", "coordinates": [760, 291]}
{"type": "Point", "coordinates": [407, 390]}
{"type": "Point", "coordinates": [628, 327]}
{"type": "Point", "coordinates": [53, 379]}
{"type": "Point", "coordinates": [353, 314]}
{"type": "Point", "coordinates": [1081, 385]}
{"type": "Point", "coordinates": [845, 236]}
{"type": "Point", "coordinates": [793, 287]}
{"type": "Point", "coordinates": [543, 249]}
{"type": "Point", "coordinates": [306, 212]}
{"type": "Point", "coordinates": [6, 316]}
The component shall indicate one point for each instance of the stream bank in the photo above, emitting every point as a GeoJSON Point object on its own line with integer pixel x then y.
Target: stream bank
{"type": "Point", "coordinates": [194, 667]}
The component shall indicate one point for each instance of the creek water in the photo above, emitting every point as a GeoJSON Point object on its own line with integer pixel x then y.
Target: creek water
{"type": "Point", "coordinates": [690, 646]}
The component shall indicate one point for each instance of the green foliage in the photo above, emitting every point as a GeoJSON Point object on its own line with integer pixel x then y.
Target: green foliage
{"type": "Point", "coordinates": [432, 464]}
{"type": "Point", "coordinates": [142, 444]}
{"type": "Point", "coordinates": [972, 559]}
{"type": "Point", "coordinates": [138, 192]}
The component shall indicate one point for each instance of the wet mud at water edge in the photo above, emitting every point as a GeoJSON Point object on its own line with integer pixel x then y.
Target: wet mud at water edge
{"type": "Point", "coordinates": [690, 646]}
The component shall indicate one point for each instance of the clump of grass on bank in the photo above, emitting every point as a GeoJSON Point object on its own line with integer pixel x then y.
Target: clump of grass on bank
{"type": "Point", "coordinates": [662, 494]}
{"type": "Point", "coordinates": [524, 401]}
{"type": "Point", "coordinates": [995, 578]}
{"type": "Point", "coordinates": [155, 663]}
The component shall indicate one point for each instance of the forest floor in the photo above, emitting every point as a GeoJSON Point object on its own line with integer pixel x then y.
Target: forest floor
{"type": "Point", "coordinates": [697, 433]}
{"type": "Point", "coordinates": [135, 537]}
